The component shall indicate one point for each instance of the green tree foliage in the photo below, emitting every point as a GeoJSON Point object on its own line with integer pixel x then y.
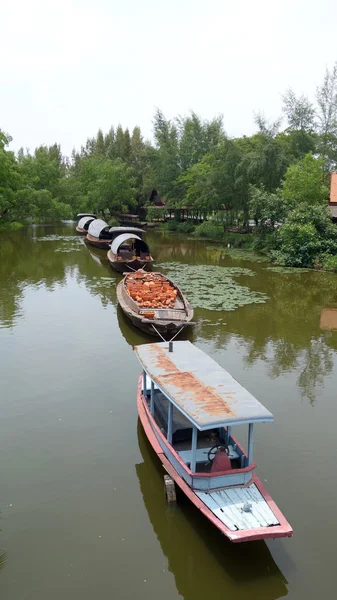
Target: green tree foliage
{"type": "Point", "coordinates": [192, 162]}
{"type": "Point", "coordinates": [268, 208]}
{"type": "Point", "coordinates": [326, 96]}
{"type": "Point", "coordinates": [300, 112]}
{"type": "Point", "coordinates": [9, 178]}
{"type": "Point", "coordinates": [303, 181]}
{"type": "Point", "coordinates": [307, 237]}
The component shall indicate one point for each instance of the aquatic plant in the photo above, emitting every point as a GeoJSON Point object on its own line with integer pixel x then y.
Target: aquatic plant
{"type": "Point", "coordinates": [213, 287]}
{"type": "Point", "coordinates": [58, 237]}
{"type": "Point", "coordinates": [68, 250]}
{"type": "Point", "coordinates": [287, 270]}
{"type": "Point", "coordinates": [239, 254]}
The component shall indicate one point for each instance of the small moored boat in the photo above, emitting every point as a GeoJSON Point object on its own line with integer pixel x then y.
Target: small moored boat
{"type": "Point", "coordinates": [80, 215]}
{"type": "Point", "coordinates": [154, 303]}
{"type": "Point", "coordinates": [83, 224]}
{"type": "Point", "coordinates": [99, 234]}
{"type": "Point", "coordinates": [128, 250]}
{"type": "Point", "coordinates": [188, 405]}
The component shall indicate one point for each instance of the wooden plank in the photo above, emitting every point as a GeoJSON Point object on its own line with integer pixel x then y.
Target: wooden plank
{"type": "Point", "coordinates": [233, 511]}
{"type": "Point", "coordinates": [216, 510]}
{"type": "Point", "coordinates": [263, 505]}
{"type": "Point", "coordinates": [249, 518]}
{"type": "Point", "coordinates": [255, 506]}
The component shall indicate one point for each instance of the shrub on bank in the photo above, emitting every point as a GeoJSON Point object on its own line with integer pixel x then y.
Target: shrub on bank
{"type": "Point", "coordinates": [210, 230]}
{"type": "Point", "coordinates": [113, 222]}
{"type": "Point", "coordinates": [215, 231]}
{"type": "Point", "coordinates": [328, 262]}
{"type": "Point", "coordinates": [306, 239]}
{"type": "Point", "coordinates": [184, 227]}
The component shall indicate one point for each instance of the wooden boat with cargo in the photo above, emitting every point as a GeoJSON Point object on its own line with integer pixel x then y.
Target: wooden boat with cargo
{"type": "Point", "coordinates": [83, 224]}
{"type": "Point", "coordinates": [154, 303]}
{"type": "Point", "coordinates": [188, 406]}
{"type": "Point", "coordinates": [128, 250]}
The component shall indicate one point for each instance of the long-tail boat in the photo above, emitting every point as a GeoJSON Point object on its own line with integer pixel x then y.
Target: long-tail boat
{"type": "Point", "coordinates": [99, 234]}
{"type": "Point", "coordinates": [83, 224]}
{"type": "Point", "coordinates": [188, 406]}
{"type": "Point", "coordinates": [128, 250]}
{"type": "Point", "coordinates": [154, 303]}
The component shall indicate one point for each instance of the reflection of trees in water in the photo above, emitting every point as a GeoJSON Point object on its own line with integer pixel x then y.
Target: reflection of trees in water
{"type": "Point", "coordinates": [285, 332]}
{"type": "Point", "coordinates": [26, 260]}
{"type": "Point", "coordinates": [96, 274]}
{"type": "Point", "coordinates": [206, 562]}
{"type": "Point", "coordinates": [318, 364]}
{"type": "Point", "coordinates": [3, 559]}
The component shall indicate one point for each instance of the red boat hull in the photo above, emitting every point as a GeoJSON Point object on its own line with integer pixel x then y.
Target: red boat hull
{"type": "Point", "coordinates": [277, 531]}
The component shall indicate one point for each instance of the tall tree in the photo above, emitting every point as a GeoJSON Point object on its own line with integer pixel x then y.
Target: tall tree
{"type": "Point", "coordinates": [299, 111]}
{"type": "Point", "coordinates": [326, 95]}
{"type": "Point", "coordinates": [167, 155]}
{"type": "Point", "coordinates": [100, 147]}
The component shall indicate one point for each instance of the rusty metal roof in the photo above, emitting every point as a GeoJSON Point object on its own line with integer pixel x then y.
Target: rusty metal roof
{"type": "Point", "coordinates": [202, 390]}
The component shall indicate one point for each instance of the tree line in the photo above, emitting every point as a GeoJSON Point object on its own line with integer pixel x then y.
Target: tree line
{"type": "Point", "coordinates": [192, 162]}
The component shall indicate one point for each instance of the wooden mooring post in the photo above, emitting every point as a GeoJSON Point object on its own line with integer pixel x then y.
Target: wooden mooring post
{"type": "Point", "coordinates": [170, 489]}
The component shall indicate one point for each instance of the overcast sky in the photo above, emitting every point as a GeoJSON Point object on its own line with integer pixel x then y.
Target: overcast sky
{"type": "Point", "coordinates": [69, 67]}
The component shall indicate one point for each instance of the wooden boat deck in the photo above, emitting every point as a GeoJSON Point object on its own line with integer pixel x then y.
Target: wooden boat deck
{"type": "Point", "coordinates": [160, 321]}
{"type": "Point", "coordinates": [240, 508]}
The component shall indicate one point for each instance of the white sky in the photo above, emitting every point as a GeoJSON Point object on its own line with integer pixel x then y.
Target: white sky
{"type": "Point", "coordinates": [68, 67]}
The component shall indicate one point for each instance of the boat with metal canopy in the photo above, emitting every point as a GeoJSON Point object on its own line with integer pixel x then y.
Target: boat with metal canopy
{"type": "Point", "coordinates": [128, 250]}
{"type": "Point", "coordinates": [83, 224]}
{"type": "Point", "coordinates": [99, 234]}
{"type": "Point", "coordinates": [188, 405]}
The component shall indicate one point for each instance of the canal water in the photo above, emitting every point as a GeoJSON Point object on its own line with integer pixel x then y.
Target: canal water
{"type": "Point", "coordinates": [82, 508]}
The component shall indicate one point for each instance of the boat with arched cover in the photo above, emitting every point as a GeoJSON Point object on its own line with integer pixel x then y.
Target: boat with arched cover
{"type": "Point", "coordinates": [83, 224]}
{"type": "Point", "coordinates": [99, 234]}
{"type": "Point", "coordinates": [129, 252]}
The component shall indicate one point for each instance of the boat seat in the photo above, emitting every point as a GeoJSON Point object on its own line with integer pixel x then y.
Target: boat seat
{"type": "Point", "coordinates": [127, 254]}
{"type": "Point", "coordinates": [221, 462]}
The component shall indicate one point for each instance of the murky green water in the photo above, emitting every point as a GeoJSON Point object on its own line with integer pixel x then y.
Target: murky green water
{"type": "Point", "coordinates": [81, 494]}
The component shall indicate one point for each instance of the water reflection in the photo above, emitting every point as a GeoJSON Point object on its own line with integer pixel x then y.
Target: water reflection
{"type": "Point", "coordinates": [202, 561]}
{"type": "Point", "coordinates": [39, 257]}
{"type": "Point", "coordinates": [293, 331]}
{"type": "Point", "coordinates": [3, 559]}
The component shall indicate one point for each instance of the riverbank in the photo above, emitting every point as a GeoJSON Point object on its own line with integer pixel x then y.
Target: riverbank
{"type": "Point", "coordinates": [208, 230]}
{"type": "Point", "coordinates": [12, 225]}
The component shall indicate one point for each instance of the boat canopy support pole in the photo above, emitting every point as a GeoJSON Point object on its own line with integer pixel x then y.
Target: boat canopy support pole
{"type": "Point", "coordinates": [229, 433]}
{"type": "Point", "coordinates": [194, 448]}
{"type": "Point", "coordinates": [250, 443]}
{"type": "Point", "coordinates": [169, 423]}
{"type": "Point", "coordinates": [152, 398]}
{"type": "Point", "coordinates": [144, 383]}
